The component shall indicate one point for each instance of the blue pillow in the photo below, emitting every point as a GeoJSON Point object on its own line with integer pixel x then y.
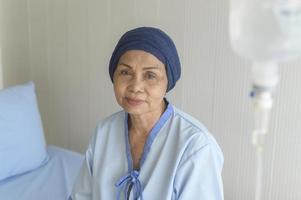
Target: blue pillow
{"type": "Point", "coordinates": [22, 142]}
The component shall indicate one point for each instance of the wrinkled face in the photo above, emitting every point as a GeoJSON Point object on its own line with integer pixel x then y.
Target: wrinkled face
{"type": "Point", "coordinates": [140, 82]}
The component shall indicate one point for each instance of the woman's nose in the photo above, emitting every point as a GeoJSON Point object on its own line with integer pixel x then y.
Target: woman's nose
{"type": "Point", "coordinates": [137, 84]}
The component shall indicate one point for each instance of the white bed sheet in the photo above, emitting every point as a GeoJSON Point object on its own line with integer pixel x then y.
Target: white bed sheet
{"type": "Point", "coordinates": [53, 181]}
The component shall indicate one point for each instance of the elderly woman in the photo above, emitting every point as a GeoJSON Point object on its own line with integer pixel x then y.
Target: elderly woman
{"type": "Point", "coordinates": [150, 150]}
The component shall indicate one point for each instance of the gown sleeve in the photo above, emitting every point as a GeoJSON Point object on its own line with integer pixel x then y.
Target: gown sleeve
{"type": "Point", "coordinates": [199, 175]}
{"type": "Point", "coordinates": [82, 188]}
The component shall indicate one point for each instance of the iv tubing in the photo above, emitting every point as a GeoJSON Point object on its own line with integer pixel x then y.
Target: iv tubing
{"type": "Point", "coordinates": [261, 127]}
{"type": "Point", "coordinates": [265, 79]}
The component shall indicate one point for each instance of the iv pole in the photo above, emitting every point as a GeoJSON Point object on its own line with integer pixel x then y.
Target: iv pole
{"type": "Point", "coordinates": [265, 32]}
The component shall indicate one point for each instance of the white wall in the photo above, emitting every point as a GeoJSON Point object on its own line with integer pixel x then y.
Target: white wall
{"type": "Point", "coordinates": [1, 70]}
{"type": "Point", "coordinates": [1, 73]}
{"type": "Point", "coordinates": [65, 46]}
{"type": "Point", "coordinates": [14, 41]}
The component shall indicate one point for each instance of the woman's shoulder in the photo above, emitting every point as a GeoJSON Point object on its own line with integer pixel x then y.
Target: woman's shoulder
{"type": "Point", "coordinates": [105, 127]}
{"type": "Point", "coordinates": [189, 120]}
{"type": "Point", "coordinates": [112, 123]}
{"type": "Point", "coordinates": [196, 134]}
{"type": "Point", "coordinates": [116, 117]}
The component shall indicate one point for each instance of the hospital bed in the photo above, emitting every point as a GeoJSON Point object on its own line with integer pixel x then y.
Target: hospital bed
{"type": "Point", "coordinates": [51, 181]}
{"type": "Point", "coordinates": [29, 168]}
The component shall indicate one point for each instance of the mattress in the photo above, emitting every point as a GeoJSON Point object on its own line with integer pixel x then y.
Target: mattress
{"type": "Point", "coordinates": [52, 181]}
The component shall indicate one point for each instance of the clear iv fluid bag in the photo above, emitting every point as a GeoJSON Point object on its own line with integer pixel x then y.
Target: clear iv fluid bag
{"type": "Point", "coordinates": [266, 30]}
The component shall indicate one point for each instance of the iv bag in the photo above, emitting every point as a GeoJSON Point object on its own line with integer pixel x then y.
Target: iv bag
{"type": "Point", "coordinates": [266, 30]}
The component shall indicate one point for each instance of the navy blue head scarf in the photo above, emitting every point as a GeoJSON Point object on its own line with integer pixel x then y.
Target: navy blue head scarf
{"type": "Point", "coordinates": [154, 41]}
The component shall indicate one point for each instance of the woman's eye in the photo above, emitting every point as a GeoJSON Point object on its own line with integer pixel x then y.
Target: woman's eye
{"type": "Point", "coordinates": [151, 76]}
{"type": "Point", "coordinates": [124, 72]}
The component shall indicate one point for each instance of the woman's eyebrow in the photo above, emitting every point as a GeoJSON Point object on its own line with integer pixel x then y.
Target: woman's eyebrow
{"type": "Point", "coordinates": [126, 65]}
{"type": "Point", "coordinates": [144, 68]}
{"type": "Point", "coordinates": [152, 67]}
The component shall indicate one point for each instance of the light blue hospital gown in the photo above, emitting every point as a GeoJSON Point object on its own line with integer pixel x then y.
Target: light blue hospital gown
{"type": "Point", "coordinates": [181, 160]}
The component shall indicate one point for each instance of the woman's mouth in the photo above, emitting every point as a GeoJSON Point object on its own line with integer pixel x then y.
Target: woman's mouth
{"type": "Point", "coordinates": [134, 102]}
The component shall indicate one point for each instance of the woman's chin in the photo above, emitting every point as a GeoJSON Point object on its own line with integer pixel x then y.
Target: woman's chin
{"type": "Point", "coordinates": [134, 107]}
{"type": "Point", "coordinates": [133, 111]}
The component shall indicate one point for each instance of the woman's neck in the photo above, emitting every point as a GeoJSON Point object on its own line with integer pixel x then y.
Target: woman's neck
{"type": "Point", "coordinates": [142, 124]}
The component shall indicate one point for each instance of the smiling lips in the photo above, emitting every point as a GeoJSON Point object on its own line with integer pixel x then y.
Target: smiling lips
{"type": "Point", "coordinates": [134, 102]}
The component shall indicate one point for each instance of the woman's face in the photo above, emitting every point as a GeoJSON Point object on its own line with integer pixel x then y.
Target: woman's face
{"type": "Point", "coordinates": [140, 82]}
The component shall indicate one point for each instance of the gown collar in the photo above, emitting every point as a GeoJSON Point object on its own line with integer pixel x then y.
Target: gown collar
{"type": "Point", "coordinates": [131, 179]}
{"type": "Point", "coordinates": [150, 138]}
